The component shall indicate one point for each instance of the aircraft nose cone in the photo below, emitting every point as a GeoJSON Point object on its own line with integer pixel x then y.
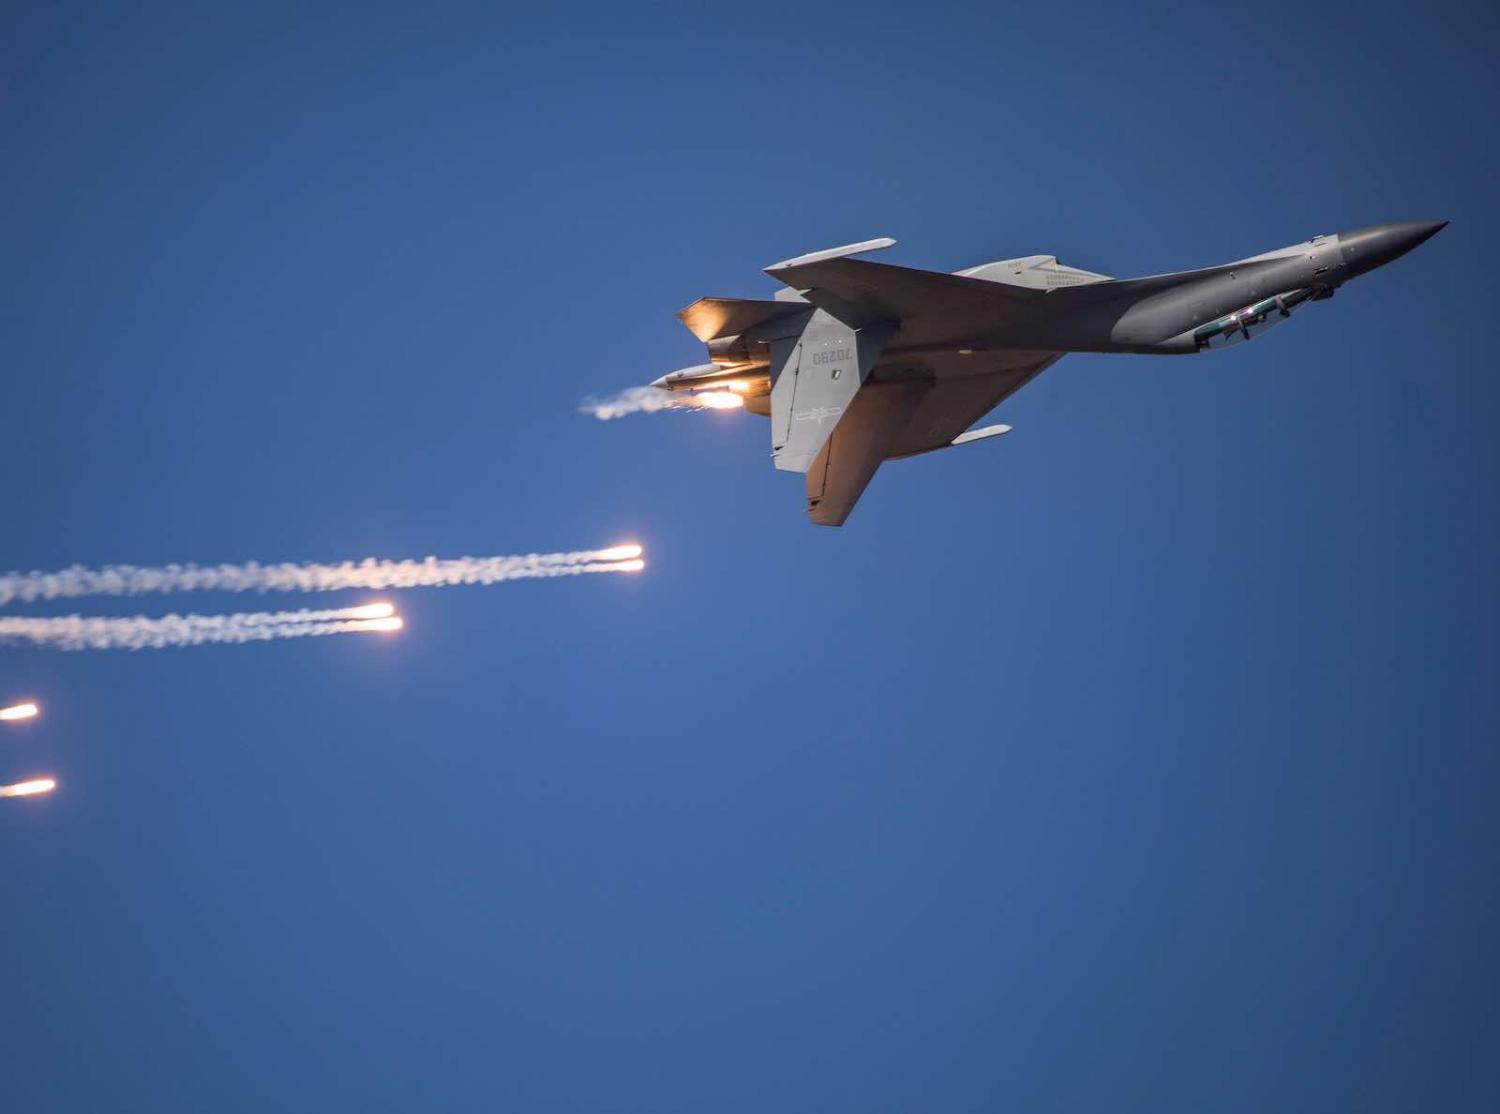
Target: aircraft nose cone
{"type": "Point", "coordinates": [1367, 248]}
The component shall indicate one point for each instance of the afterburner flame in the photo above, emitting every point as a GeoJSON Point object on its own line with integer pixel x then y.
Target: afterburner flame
{"type": "Point", "coordinates": [718, 400]}
{"type": "Point", "coordinates": [28, 788]}
{"type": "Point", "coordinates": [19, 711]}
{"type": "Point", "coordinates": [371, 611]}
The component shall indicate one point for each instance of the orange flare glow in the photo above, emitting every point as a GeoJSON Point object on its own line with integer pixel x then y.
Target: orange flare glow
{"type": "Point", "coordinates": [19, 711]}
{"type": "Point", "coordinates": [28, 788]}
{"type": "Point", "coordinates": [740, 387]}
{"type": "Point", "coordinates": [718, 400]}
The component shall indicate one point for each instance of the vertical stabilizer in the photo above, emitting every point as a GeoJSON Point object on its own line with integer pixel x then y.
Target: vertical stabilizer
{"type": "Point", "coordinates": [815, 377]}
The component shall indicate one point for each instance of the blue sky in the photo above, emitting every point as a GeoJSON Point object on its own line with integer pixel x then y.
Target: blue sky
{"type": "Point", "coordinates": [1143, 759]}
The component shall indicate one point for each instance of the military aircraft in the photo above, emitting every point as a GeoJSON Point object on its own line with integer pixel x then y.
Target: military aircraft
{"type": "Point", "coordinates": [857, 363]}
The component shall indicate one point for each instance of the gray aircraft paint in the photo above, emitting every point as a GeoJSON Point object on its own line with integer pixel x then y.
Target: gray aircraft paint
{"type": "Point", "coordinates": [865, 362]}
{"type": "Point", "coordinates": [824, 368]}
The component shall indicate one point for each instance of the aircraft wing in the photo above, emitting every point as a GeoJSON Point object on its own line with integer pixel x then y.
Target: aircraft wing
{"type": "Point", "coordinates": [860, 293]}
{"type": "Point", "coordinates": [887, 421]}
{"type": "Point", "coordinates": [953, 405]}
{"type": "Point", "coordinates": [844, 465]}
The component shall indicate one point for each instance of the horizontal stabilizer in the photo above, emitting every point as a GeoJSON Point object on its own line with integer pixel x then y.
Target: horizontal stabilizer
{"type": "Point", "coordinates": [711, 318]}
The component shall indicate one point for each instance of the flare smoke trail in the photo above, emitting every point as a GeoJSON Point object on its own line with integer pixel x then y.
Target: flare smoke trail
{"type": "Point", "coordinates": [134, 580]}
{"type": "Point", "coordinates": [141, 632]}
{"type": "Point", "coordinates": [648, 400]}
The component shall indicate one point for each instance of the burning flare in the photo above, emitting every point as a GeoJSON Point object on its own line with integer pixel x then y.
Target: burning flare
{"type": "Point", "coordinates": [143, 632]}
{"type": "Point", "coordinates": [19, 711]}
{"type": "Point", "coordinates": [392, 622]}
{"type": "Point", "coordinates": [370, 611]}
{"type": "Point", "coordinates": [718, 400]}
{"type": "Point", "coordinates": [28, 788]}
{"type": "Point", "coordinates": [430, 572]}
{"type": "Point", "coordinates": [649, 400]}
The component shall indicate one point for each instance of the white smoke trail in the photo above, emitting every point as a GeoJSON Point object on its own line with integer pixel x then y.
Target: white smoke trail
{"type": "Point", "coordinates": [133, 580]}
{"type": "Point", "coordinates": [649, 400]}
{"type": "Point", "coordinates": [141, 632]}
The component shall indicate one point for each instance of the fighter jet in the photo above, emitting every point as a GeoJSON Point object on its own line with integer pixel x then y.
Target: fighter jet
{"type": "Point", "coordinates": [857, 363]}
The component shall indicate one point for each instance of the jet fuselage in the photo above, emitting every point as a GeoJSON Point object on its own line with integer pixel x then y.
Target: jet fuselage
{"type": "Point", "coordinates": [856, 362]}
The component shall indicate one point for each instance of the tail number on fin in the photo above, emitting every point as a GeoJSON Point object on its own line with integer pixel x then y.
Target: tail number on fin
{"type": "Point", "coordinates": [815, 380]}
